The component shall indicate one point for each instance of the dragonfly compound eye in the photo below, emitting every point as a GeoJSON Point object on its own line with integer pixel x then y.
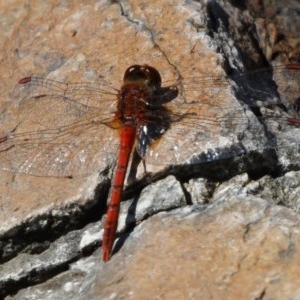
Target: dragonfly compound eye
{"type": "Point", "coordinates": [148, 75]}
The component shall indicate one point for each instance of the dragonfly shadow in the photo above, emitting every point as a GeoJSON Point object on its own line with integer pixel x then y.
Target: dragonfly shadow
{"type": "Point", "coordinates": [130, 223]}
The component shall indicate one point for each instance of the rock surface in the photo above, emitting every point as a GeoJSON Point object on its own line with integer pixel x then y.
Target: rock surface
{"type": "Point", "coordinates": [243, 248]}
{"type": "Point", "coordinates": [201, 237]}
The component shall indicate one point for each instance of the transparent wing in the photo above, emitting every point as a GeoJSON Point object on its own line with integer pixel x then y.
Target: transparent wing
{"type": "Point", "coordinates": [64, 129]}
{"type": "Point", "coordinates": [218, 112]}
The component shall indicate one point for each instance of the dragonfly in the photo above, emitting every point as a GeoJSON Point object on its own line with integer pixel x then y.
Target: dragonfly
{"type": "Point", "coordinates": [68, 129]}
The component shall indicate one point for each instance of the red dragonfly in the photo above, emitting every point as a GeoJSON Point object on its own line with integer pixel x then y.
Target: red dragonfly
{"type": "Point", "coordinates": [64, 129]}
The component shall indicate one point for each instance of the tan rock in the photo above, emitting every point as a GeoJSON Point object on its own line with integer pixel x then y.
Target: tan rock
{"type": "Point", "coordinates": [244, 249]}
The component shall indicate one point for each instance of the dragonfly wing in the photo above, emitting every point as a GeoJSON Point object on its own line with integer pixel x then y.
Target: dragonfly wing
{"type": "Point", "coordinates": [201, 124]}
{"type": "Point", "coordinates": [71, 151]}
{"type": "Point", "coordinates": [55, 134]}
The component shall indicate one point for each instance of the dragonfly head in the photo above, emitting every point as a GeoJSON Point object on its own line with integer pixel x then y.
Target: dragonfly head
{"type": "Point", "coordinates": [145, 74]}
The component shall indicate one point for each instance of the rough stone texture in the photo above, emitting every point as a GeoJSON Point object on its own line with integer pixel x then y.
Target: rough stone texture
{"type": "Point", "coordinates": [242, 248]}
{"type": "Point", "coordinates": [283, 190]}
{"type": "Point", "coordinates": [248, 247]}
{"type": "Point", "coordinates": [278, 33]}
